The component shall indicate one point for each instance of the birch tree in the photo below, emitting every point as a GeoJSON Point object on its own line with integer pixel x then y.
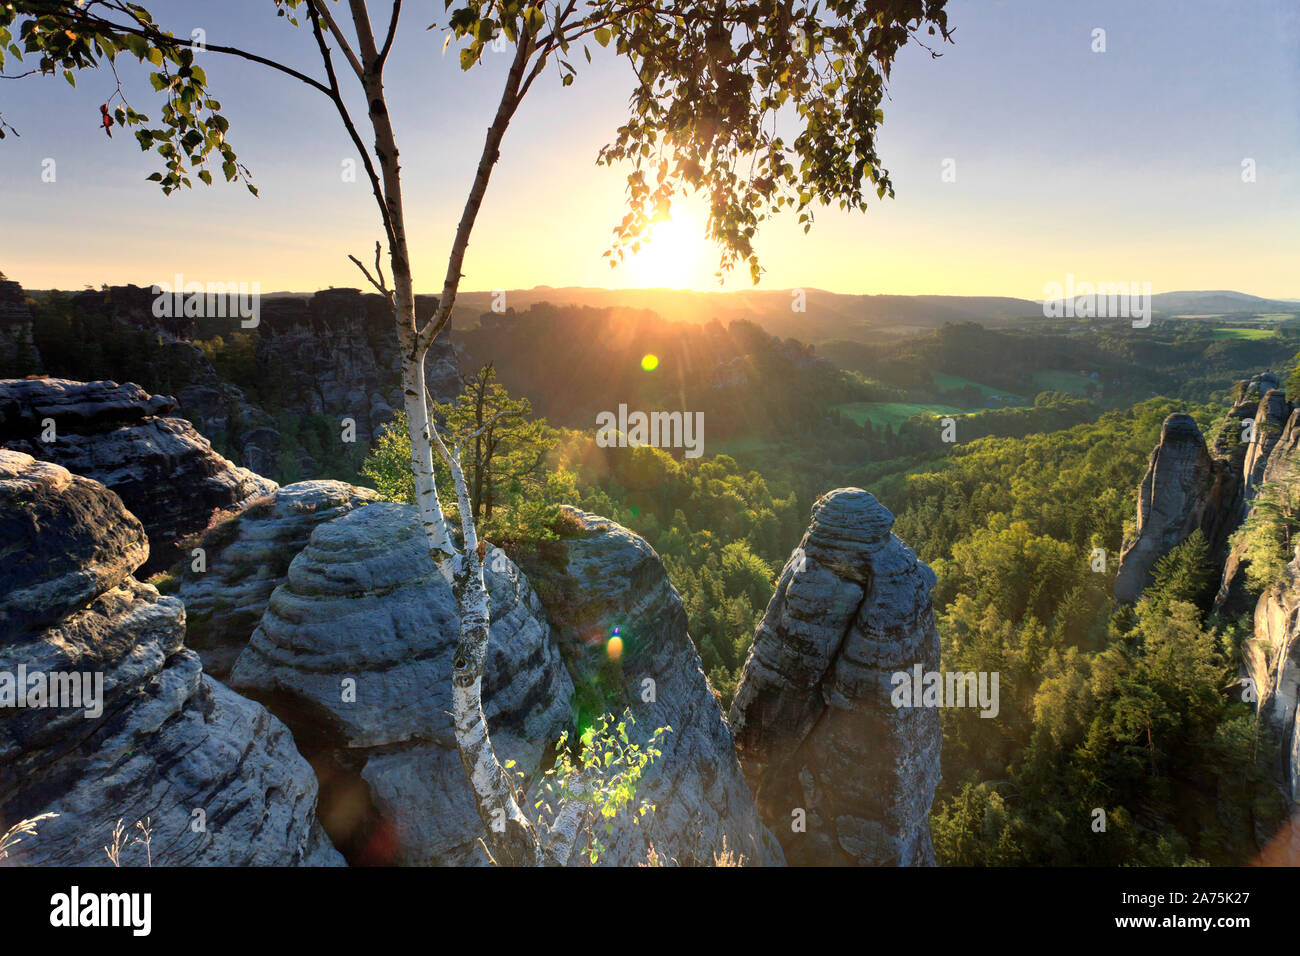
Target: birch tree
{"type": "Point", "coordinates": [758, 106]}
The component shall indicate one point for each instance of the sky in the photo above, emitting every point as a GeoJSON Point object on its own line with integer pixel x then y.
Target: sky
{"type": "Point", "coordinates": [1123, 165]}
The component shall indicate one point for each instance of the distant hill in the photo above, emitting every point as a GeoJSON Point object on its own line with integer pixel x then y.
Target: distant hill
{"type": "Point", "coordinates": [824, 315]}
{"type": "Point", "coordinates": [1212, 303]}
{"type": "Point", "coordinates": [830, 316]}
{"type": "Point", "coordinates": [1217, 303]}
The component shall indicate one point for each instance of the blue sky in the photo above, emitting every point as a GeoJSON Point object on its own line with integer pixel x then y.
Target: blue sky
{"type": "Point", "coordinates": [1122, 165]}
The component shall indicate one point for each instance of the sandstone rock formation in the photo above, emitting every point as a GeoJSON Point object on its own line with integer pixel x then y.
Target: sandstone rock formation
{"type": "Point", "coordinates": [18, 353]}
{"type": "Point", "coordinates": [334, 353]}
{"type": "Point", "coordinates": [1271, 658]}
{"type": "Point", "coordinates": [245, 557]}
{"type": "Point", "coordinates": [338, 354]}
{"type": "Point", "coordinates": [363, 603]}
{"type": "Point", "coordinates": [1281, 468]}
{"type": "Point", "coordinates": [214, 777]}
{"type": "Point", "coordinates": [165, 472]}
{"type": "Point", "coordinates": [608, 579]}
{"type": "Point", "coordinates": [1270, 420]}
{"type": "Point", "coordinates": [221, 411]}
{"type": "Point", "coordinates": [1184, 489]}
{"type": "Point", "coordinates": [815, 727]}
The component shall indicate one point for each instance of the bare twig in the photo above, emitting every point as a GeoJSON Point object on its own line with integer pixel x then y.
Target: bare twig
{"type": "Point", "coordinates": [392, 32]}
{"type": "Point", "coordinates": [320, 8]}
{"type": "Point", "coordinates": [336, 95]}
{"type": "Point", "coordinates": [380, 284]}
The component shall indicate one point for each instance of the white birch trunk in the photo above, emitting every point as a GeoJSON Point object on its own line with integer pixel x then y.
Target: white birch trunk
{"type": "Point", "coordinates": [426, 491]}
{"type": "Point", "coordinates": [512, 838]}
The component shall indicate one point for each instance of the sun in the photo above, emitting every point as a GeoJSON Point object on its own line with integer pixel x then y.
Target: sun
{"type": "Point", "coordinates": [675, 257]}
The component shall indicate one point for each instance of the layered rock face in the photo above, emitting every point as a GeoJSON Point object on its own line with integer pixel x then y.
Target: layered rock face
{"type": "Point", "coordinates": [612, 579]}
{"type": "Point", "coordinates": [817, 733]}
{"type": "Point", "coordinates": [1270, 420]}
{"type": "Point", "coordinates": [1184, 489]}
{"type": "Point", "coordinates": [354, 652]}
{"type": "Point", "coordinates": [245, 557]}
{"type": "Point", "coordinates": [18, 353]}
{"type": "Point", "coordinates": [1272, 660]}
{"type": "Point", "coordinates": [218, 408]}
{"type": "Point", "coordinates": [338, 353]}
{"type": "Point", "coordinates": [1280, 462]}
{"type": "Point", "coordinates": [334, 353]}
{"type": "Point", "coordinates": [1284, 456]}
{"type": "Point", "coordinates": [1188, 487]}
{"type": "Point", "coordinates": [127, 726]}
{"type": "Point", "coordinates": [165, 472]}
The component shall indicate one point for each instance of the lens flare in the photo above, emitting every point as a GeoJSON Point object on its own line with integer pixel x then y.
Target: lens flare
{"type": "Point", "coordinates": [649, 361]}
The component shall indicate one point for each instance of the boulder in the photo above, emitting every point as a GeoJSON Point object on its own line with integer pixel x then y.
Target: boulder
{"type": "Point", "coordinates": [818, 735]}
{"type": "Point", "coordinates": [164, 471]}
{"type": "Point", "coordinates": [245, 557]}
{"type": "Point", "coordinates": [609, 582]}
{"type": "Point", "coordinates": [354, 653]}
{"type": "Point", "coordinates": [136, 732]}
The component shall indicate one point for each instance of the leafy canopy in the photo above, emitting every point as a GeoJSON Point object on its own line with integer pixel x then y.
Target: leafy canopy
{"type": "Point", "coordinates": [756, 105]}
{"type": "Point", "coordinates": [190, 135]}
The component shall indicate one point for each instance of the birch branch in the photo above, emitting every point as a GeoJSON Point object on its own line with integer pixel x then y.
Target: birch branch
{"type": "Point", "coordinates": [511, 834]}
{"type": "Point", "coordinates": [381, 283]}
{"type": "Point", "coordinates": [322, 8]}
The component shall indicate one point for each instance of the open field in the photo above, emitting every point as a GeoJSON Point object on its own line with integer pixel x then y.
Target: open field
{"type": "Point", "coordinates": [949, 382]}
{"type": "Point", "coordinates": [893, 413]}
{"type": "Point", "coordinates": [1059, 380]}
{"type": "Point", "coordinates": [1244, 333]}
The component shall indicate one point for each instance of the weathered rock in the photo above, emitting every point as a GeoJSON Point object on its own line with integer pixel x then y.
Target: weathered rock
{"type": "Point", "coordinates": [221, 411]}
{"type": "Point", "coordinates": [612, 579]}
{"type": "Point", "coordinates": [66, 539]}
{"type": "Point", "coordinates": [337, 352]}
{"type": "Point", "coordinates": [1275, 464]}
{"type": "Point", "coordinates": [814, 723]}
{"type": "Point", "coordinates": [363, 602]}
{"type": "Point", "coordinates": [18, 353]}
{"type": "Point", "coordinates": [1271, 659]}
{"type": "Point", "coordinates": [1184, 489]}
{"type": "Point", "coordinates": [1270, 420]}
{"type": "Point", "coordinates": [165, 472]}
{"type": "Point", "coordinates": [245, 557]}
{"type": "Point", "coordinates": [150, 738]}
{"type": "Point", "coordinates": [1283, 462]}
